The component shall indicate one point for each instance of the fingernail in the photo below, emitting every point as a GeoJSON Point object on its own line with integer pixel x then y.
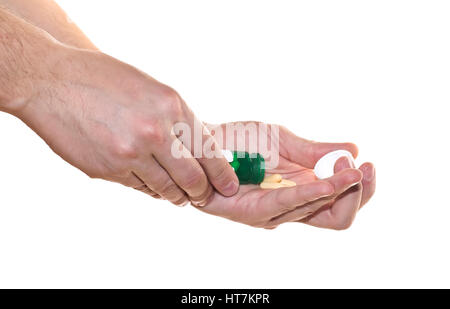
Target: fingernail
{"type": "Point", "coordinates": [351, 163]}
{"type": "Point", "coordinates": [196, 204]}
{"type": "Point", "coordinates": [231, 188]}
{"type": "Point", "coordinates": [370, 173]}
{"type": "Point", "coordinates": [183, 204]}
{"type": "Point", "coordinates": [199, 203]}
{"type": "Point", "coordinates": [343, 163]}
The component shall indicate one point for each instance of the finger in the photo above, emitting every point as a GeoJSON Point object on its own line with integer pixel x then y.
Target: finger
{"type": "Point", "coordinates": [368, 182]}
{"type": "Point", "coordinates": [134, 182]}
{"type": "Point", "coordinates": [306, 152]}
{"type": "Point", "coordinates": [341, 182]}
{"type": "Point", "coordinates": [148, 191]}
{"type": "Point", "coordinates": [345, 208]}
{"type": "Point", "coordinates": [160, 182]}
{"type": "Point", "coordinates": [341, 213]}
{"type": "Point", "coordinates": [283, 200]}
{"type": "Point", "coordinates": [186, 172]}
{"type": "Point", "coordinates": [342, 164]}
{"type": "Point", "coordinates": [219, 172]}
{"type": "Point", "coordinates": [221, 175]}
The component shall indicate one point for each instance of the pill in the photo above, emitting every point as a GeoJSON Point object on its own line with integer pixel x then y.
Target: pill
{"type": "Point", "coordinates": [288, 183]}
{"type": "Point", "coordinates": [284, 183]}
{"type": "Point", "coordinates": [325, 166]}
{"type": "Point", "coordinates": [273, 178]}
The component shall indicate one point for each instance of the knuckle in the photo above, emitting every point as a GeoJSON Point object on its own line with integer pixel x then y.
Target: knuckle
{"type": "Point", "coordinates": [151, 131]}
{"type": "Point", "coordinates": [195, 180]}
{"type": "Point", "coordinates": [222, 175]}
{"type": "Point", "coordinates": [125, 150]}
{"type": "Point", "coordinates": [171, 102]}
{"type": "Point", "coordinates": [168, 189]}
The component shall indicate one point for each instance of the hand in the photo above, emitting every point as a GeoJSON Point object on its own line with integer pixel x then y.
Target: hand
{"type": "Point", "coordinates": [331, 203]}
{"type": "Point", "coordinates": [115, 123]}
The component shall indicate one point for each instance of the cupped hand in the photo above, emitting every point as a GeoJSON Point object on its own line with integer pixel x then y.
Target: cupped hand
{"type": "Point", "coordinates": [116, 123]}
{"type": "Point", "coordinates": [330, 203]}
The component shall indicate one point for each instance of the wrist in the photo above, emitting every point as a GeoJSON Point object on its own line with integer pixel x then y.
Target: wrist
{"type": "Point", "coordinates": [61, 92]}
{"type": "Point", "coordinates": [33, 79]}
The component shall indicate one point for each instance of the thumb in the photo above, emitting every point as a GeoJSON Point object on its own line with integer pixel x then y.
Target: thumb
{"type": "Point", "coordinates": [306, 152]}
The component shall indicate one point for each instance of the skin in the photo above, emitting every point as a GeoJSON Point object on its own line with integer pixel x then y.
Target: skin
{"type": "Point", "coordinates": [331, 203]}
{"type": "Point", "coordinates": [114, 122]}
{"type": "Point", "coordinates": [116, 125]}
{"type": "Point", "coordinates": [48, 16]}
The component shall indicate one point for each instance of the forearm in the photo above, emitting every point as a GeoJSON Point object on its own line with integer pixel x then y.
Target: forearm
{"type": "Point", "coordinates": [47, 15]}
{"type": "Point", "coordinates": [28, 58]}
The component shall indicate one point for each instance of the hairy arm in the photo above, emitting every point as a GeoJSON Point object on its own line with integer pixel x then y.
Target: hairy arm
{"type": "Point", "coordinates": [26, 53]}
{"type": "Point", "coordinates": [103, 116]}
{"type": "Point", "coordinates": [47, 15]}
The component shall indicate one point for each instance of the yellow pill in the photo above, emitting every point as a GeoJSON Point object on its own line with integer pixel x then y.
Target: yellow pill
{"type": "Point", "coordinates": [284, 183]}
{"type": "Point", "coordinates": [273, 178]}
{"type": "Point", "coordinates": [288, 183]}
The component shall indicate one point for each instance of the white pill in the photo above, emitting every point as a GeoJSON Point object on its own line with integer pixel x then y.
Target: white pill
{"type": "Point", "coordinates": [325, 166]}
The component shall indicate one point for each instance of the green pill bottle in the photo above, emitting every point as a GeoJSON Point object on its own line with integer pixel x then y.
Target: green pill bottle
{"type": "Point", "coordinates": [249, 168]}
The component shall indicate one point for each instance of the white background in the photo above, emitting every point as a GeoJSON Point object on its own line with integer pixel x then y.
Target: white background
{"type": "Point", "coordinates": [376, 73]}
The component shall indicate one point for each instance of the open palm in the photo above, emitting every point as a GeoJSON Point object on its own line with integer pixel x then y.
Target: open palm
{"type": "Point", "coordinates": [331, 203]}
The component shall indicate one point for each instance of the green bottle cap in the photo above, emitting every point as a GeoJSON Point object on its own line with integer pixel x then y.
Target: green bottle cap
{"type": "Point", "coordinates": [249, 168]}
